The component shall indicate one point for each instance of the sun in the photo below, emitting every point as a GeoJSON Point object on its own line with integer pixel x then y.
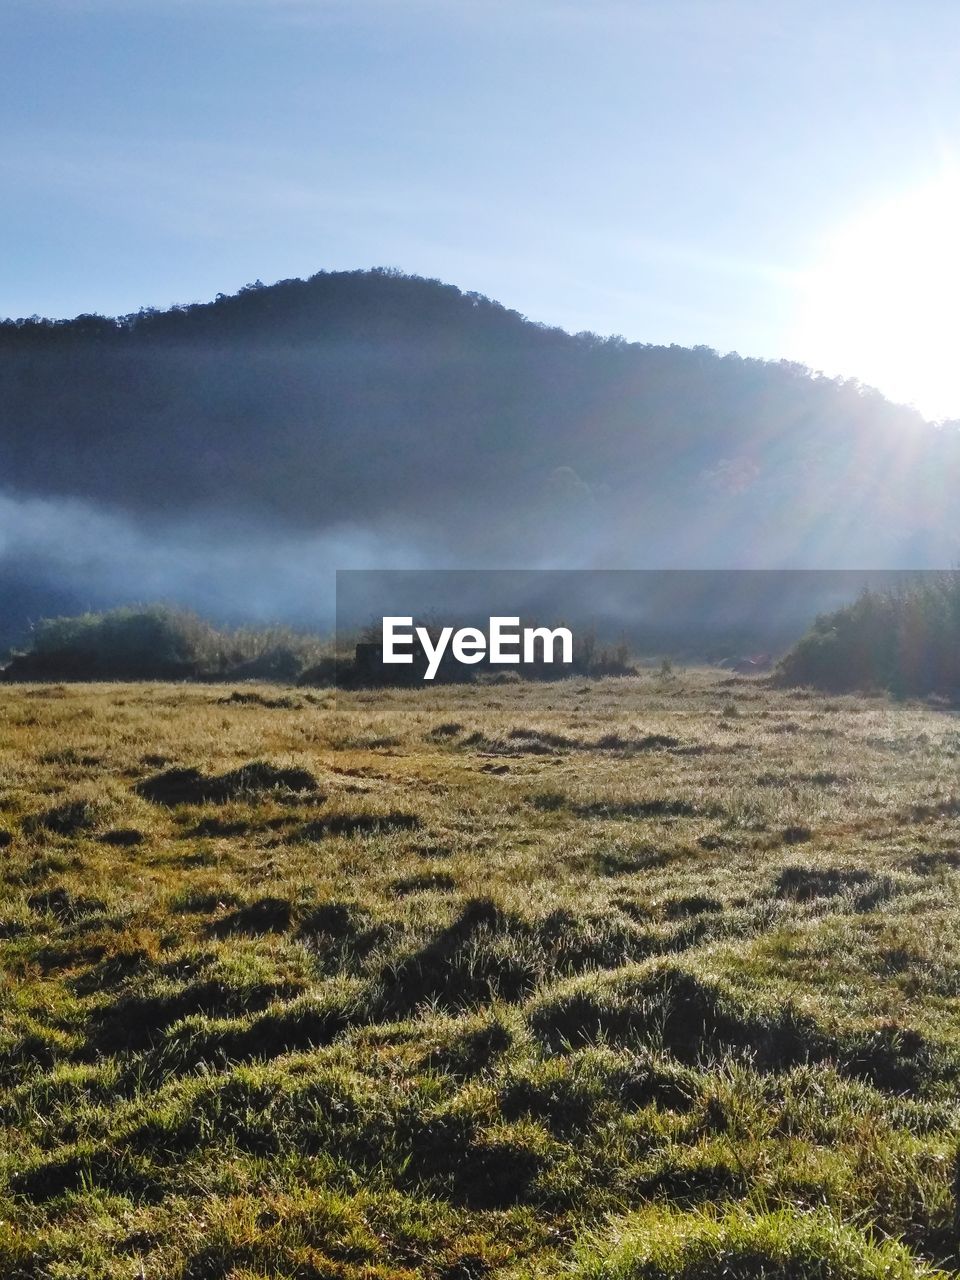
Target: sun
{"type": "Point", "coordinates": [882, 303]}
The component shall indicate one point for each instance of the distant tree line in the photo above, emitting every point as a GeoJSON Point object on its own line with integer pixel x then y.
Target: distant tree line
{"type": "Point", "coordinates": [158, 642]}
{"type": "Point", "coordinates": [391, 402]}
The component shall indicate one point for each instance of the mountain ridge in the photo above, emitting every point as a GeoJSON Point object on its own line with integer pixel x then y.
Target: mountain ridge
{"type": "Point", "coordinates": [441, 427]}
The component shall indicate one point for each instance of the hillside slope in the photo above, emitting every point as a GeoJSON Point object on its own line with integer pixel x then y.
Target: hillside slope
{"type": "Point", "coordinates": [437, 421]}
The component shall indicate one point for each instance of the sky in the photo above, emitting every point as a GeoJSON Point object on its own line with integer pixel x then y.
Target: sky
{"type": "Point", "coordinates": [778, 179]}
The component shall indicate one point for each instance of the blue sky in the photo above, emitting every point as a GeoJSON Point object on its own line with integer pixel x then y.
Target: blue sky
{"type": "Point", "coordinates": [675, 172]}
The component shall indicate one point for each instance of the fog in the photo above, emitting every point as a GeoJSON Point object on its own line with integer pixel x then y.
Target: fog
{"type": "Point", "coordinates": [67, 555]}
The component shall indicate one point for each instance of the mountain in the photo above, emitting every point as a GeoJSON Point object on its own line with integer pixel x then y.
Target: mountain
{"type": "Point", "coordinates": [231, 454]}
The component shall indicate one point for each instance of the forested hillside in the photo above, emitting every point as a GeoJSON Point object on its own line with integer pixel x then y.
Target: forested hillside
{"type": "Point", "coordinates": [393, 413]}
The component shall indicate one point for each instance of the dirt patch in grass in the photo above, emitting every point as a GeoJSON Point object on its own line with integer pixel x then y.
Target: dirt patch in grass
{"type": "Point", "coordinates": [265, 915]}
{"type": "Point", "coordinates": [819, 778]}
{"type": "Point", "coordinates": [631, 861]}
{"type": "Point", "coordinates": [925, 864]}
{"type": "Point", "coordinates": [334, 919]}
{"type": "Point", "coordinates": [359, 824]}
{"type": "Point", "coordinates": [691, 904]}
{"type": "Point", "coordinates": [139, 1017]}
{"type": "Point", "coordinates": [431, 881]}
{"type": "Point", "coordinates": [252, 699]}
{"type": "Point", "coordinates": [190, 786]}
{"type": "Point", "coordinates": [531, 741]}
{"type": "Point", "coordinates": [84, 1169]}
{"type": "Point", "coordinates": [341, 935]}
{"type": "Point", "coordinates": [64, 906]}
{"type": "Point", "coordinates": [73, 817]}
{"type": "Point", "coordinates": [947, 808]}
{"type": "Point", "coordinates": [657, 807]}
{"type": "Point", "coordinates": [796, 835]}
{"type": "Point", "coordinates": [866, 889]}
{"type": "Point", "coordinates": [488, 954]}
{"type": "Point", "coordinates": [123, 837]}
{"type": "Point", "coordinates": [646, 742]}
{"type": "Point", "coordinates": [448, 729]}
{"type": "Point", "coordinates": [496, 1172]}
{"type": "Point", "coordinates": [469, 1051]}
{"type": "Point", "coordinates": [698, 1020]}
{"type": "Point", "coordinates": [308, 1022]}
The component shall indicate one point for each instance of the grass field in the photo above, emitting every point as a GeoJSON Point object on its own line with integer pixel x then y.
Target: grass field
{"type": "Point", "coordinates": [656, 977]}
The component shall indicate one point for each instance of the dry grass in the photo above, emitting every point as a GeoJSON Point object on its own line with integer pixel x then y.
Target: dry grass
{"type": "Point", "coordinates": [646, 977]}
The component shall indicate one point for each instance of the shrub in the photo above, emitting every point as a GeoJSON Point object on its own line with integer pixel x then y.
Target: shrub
{"type": "Point", "coordinates": [157, 642]}
{"type": "Point", "coordinates": [906, 641]}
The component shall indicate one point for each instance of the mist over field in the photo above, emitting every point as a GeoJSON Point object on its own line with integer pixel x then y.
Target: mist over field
{"type": "Point", "coordinates": [65, 555]}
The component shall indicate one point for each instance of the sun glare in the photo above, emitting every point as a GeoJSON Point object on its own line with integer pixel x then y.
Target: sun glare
{"type": "Point", "coordinates": [882, 303]}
